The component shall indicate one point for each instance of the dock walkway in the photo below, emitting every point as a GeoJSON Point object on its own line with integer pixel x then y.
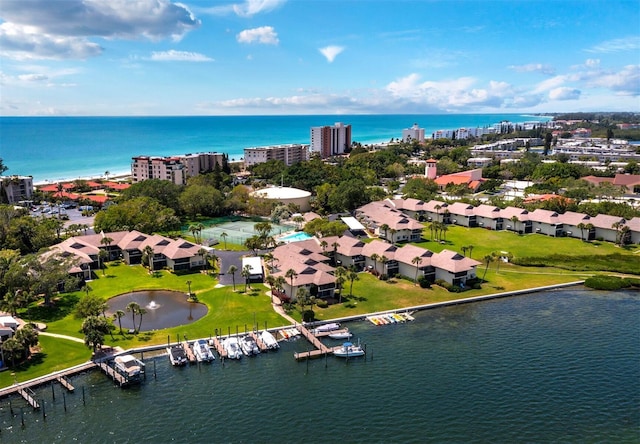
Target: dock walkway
{"type": "Point", "coordinates": [64, 381]}
{"type": "Point", "coordinates": [219, 348]}
{"type": "Point", "coordinates": [112, 373]}
{"type": "Point", "coordinates": [189, 352]}
{"type": "Point", "coordinates": [321, 349]}
{"type": "Point", "coordinates": [261, 345]}
{"type": "Point", "coordinates": [27, 394]}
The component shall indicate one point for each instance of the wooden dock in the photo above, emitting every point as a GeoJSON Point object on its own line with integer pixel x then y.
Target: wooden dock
{"type": "Point", "coordinates": [14, 389]}
{"type": "Point", "coordinates": [261, 345]}
{"type": "Point", "coordinates": [112, 373]}
{"type": "Point", "coordinates": [64, 381]}
{"type": "Point", "coordinates": [189, 352]}
{"type": "Point", "coordinates": [219, 348]}
{"type": "Point", "coordinates": [28, 396]}
{"type": "Point", "coordinates": [320, 350]}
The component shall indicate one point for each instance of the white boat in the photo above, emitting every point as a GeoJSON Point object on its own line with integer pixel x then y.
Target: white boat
{"type": "Point", "coordinates": [202, 351]}
{"type": "Point", "coordinates": [130, 367]}
{"type": "Point", "coordinates": [177, 355]}
{"type": "Point", "coordinates": [349, 350]}
{"type": "Point", "coordinates": [326, 327]}
{"type": "Point", "coordinates": [343, 334]}
{"type": "Point", "coordinates": [269, 340]}
{"type": "Point", "coordinates": [249, 346]}
{"type": "Point", "coordinates": [232, 347]}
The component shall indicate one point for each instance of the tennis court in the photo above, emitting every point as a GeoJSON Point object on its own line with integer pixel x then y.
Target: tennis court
{"type": "Point", "coordinates": [238, 231]}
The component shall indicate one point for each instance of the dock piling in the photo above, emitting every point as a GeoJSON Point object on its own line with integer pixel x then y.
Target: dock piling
{"type": "Point", "coordinates": [64, 401]}
{"type": "Point", "coordinates": [53, 393]}
{"type": "Point", "coordinates": [83, 399]}
{"type": "Point", "coordinates": [44, 415]}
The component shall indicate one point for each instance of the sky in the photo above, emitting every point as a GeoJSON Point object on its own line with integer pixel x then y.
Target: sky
{"type": "Point", "coordinates": [287, 57]}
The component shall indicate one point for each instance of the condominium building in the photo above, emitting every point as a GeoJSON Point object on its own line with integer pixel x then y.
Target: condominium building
{"type": "Point", "coordinates": [289, 154]}
{"type": "Point", "coordinates": [330, 140]}
{"type": "Point", "coordinates": [14, 189]}
{"type": "Point", "coordinates": [413, 133]}
{"type": "Point", "coordinates": [175, 169]}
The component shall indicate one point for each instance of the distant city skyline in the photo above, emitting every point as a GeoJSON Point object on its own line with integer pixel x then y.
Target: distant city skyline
{"type": "Point", "coordinates": [279, 57]}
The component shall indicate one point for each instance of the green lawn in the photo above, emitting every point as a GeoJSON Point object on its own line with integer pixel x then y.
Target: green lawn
{"type": "Point", "coordinates": [487, 241]}
{"type": "Point", "coordinates": [229, 310]}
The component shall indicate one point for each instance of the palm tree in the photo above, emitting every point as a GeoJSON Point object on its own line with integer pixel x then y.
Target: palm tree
{"type": "Point", "coordinates": [514, 219]}
{"type": "Point", "coordinates": [375, 257]}
{"type": "Point", "coordinates": [298, 220]}
{"type": "Point", "coordinates": [352, 275]}
{"type": "Point", "coordinates": [291, 275]}
{"type": "Point", "coordinates": [199, 227]}
{"type": "Point", "coordinates": [193, 230]}
{"type": "Point", "coordinates": [224, 235]}
{"type": "Point", "coordinates": [437, 208]}
{"type": "Point", "coordinates": [498, 258]}
{"type": "Point", "coordinates": [148, 253]}
{"type": "Point", "coordinates": [385, 228]}
{"type": "Point", "coordinates": [133, 307]}
{"type": "Point", "coordinates": [232, 271]}
{"type": "Point", "coordinates": [302, 297]}
{"type": "Point", "coordinates": [246, 273]}
{"type": "Point", "coordinates": [271, 281]}
{"type": "Point", "coordinates": [279, 284]}
{"type": "Point", "coordinates": [102, 256]}
{"type": "Point", "coordinates": [581, 226]}
{"type": "Point", "coordinates": [141, 312]}
{"type": "Point", "coordinates": [324, 245]}
{"type": "Point", "coordinates": [589, 228]}
{"type": "Point", "coordinates": [487, 260]}
{"type": "Point", "coordinates": [335, 246]}
{"type": "Point", "coordinates": [269, 258]}
{"type": "Point", "coordinates": [12, 348]}
{"type": "Point", "coordinates": [106, 241]}
{"type": "Point", "coordinates": [393, 234]}
{"type": "Point", "coordinates": [340, 274]}
{"type": "Point", "coordinates": [118, 315]}
{"type": "Point", "coordinates": [417, 261]}
{"type": "Point", "coordinates": [383, 260]}
{"type": "Point", "coordinates": [470, 248]}
{"type": "Point", "coordinates": [444, 229]}
{"type": "Point", "coordinates": [618, 227]}
{"type": "Point", "coordinates": [464, 250]}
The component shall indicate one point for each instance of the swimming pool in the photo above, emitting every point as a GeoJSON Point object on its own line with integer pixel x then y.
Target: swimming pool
{"type": "Point", "coordinates": [295, 237]}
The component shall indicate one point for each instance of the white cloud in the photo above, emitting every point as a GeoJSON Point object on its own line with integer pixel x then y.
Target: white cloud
{"type": "Point", "coordinates": [179, 56]}
{"type": "Point", "coordinates": [553, 82]}
{"type": "Point", "coordinates": [592, 63]}
{"type": "Point", "coordinates": [331, 52]}
{"type": "Point", "coordinates": [21, 42]}
{"type": "Point", "coordinates": [45, 29]}
{"type": "Point", "coordinates": [624, 82]}
{"type": "Point", "coordinates": [564, 93]}
{"type": "Point", "coordinates": [252, 7]}
{"type": "Point", "coordinates": [631, 43]}
{"type": "Point", "coordinates": [264, 34]}
{"type": "Point", "coordinates": [534, 67]}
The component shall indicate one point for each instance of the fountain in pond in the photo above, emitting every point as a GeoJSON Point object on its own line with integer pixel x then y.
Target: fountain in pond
{"type": "Point", "coordinates": [164, 309]}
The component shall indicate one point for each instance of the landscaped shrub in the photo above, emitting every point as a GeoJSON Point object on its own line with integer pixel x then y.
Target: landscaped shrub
{"type": "Point", "coordinates": [424, 282]}
{"type": "Point", "coordinates": [321, 303]}
{"type": "Point", "coordinates": [605, 283]}
{"type": "Point", "coordinates": [308, 316]}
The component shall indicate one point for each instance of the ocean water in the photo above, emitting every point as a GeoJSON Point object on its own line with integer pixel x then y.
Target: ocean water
{"type": "Point", "coordinates": [55, 148]}
{"type": "Point", "coordinates": [559, 366]}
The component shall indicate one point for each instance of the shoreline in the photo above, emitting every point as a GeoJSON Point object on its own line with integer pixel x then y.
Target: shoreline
{"type": "Point", "coordinates": [85, 366]}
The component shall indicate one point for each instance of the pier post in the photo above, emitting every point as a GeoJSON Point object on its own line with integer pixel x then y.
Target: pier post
{"type": "Point", "coordinates": [64, 401]}
{"type": "Point", "coordinates": [168, 341]}
{"type": "Point", "coordinates": [155, 376]}
{"type": "Point", "coordinates": [325, 359]}
{"type": "Point", "coordinates": [83, 400]}
{"type": "Point", "coordinates": [44, 415]}
{"type": "Point", "coordinates": [22, 416]}
{"type": "Point", "coordinates": [308, 359]}
{"type": "Point", "coordinates": [53, 393]}
{"type": "Point", "coordinates": [11, 408]}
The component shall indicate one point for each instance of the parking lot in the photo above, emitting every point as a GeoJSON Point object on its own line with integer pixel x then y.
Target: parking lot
{"type": "Point", "coordinates": [68, 215]}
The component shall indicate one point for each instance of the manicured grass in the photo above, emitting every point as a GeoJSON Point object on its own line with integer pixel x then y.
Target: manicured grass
{"type": "Point", "coordinates": [373, 295]}
{"type": "Point", "coordinates": [528, 245]}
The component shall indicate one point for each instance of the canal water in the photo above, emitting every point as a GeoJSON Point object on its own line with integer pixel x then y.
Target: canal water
{"type": "Point", "coordinates": [559, 366]}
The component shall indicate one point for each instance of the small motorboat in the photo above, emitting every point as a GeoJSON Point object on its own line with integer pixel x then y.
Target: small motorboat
{"type": "Point", "coordinates": [348, 350]}
{"type": "Point", "coordinates": [249, 346]}
{"type": "Point", "coordinates": [177, 355]}
{"type": "Point", "coordinates": [202, 351]}
{"type": "Point", "coordinates": [269, 340]}
{"type": "Point", "coordinates": [342, 334]}
{"type": "Point", "coordinates": [130, 367]}
{"type": "Point", "coordinates": [232, 347]}
{"type": "Point", "coordinates": [325, 328]}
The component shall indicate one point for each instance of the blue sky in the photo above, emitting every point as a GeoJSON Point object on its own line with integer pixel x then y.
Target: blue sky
{"type": "Point", "coordinates": [255, 57]}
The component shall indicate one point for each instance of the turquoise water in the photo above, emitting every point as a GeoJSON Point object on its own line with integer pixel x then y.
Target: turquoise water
{"type": "Point", "coordinates": [560, 366]}
{"type": "Point", "coordinates": [295, 237]}
{"type": "Point", "coordinates": [54, 148]}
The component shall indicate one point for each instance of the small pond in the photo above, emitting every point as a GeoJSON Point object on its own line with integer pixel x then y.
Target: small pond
{"type": "Point", "coordinates": [164, 309]}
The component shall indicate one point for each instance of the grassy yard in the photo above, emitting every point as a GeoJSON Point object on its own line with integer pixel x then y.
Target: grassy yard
{"type": "Point", "coordinates": [228, 310]}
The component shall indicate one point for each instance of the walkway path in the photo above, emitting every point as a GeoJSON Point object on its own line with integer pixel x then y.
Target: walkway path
{"type": "Point", "coordinates": [56, 335]}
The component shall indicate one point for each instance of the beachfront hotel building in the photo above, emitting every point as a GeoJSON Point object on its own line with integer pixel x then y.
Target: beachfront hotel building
{"type": "Point", "coordinates": [289, 154]}
{"type": "Point", "coordinates": [14, 189]}
{"type": "Point", "coordinates": [330, 140]}
{"type": "Point", "coordinates": [413, 133]}
{"type": "Point", "coordinates": [175, 169]}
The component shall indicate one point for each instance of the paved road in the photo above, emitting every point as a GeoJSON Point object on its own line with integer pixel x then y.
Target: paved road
{"type": "Point", "coordinates": [56, 335]}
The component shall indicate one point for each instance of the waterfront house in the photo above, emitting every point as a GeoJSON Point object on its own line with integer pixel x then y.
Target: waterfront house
{"type": "Point", "coordinates": [607, 227]}
{"type": "Point", "coordinates": [577, 225]}
{"type": "Point", "coordinates": [405, 258]}
{"type": "Point", "coordinates": [516, 219]}
{"type": "Point", "coordinates": [380, 256]}
{"type": "Point", "coordinates": [488, 216]}
{"type": "Point", "coordinates": [634, 226]}
{"type": "Point", "coordinates": [434, 210]}
{"type": "Point", "coordinates": [546, 222]}
{"type": "Point", "coordinates": [453, 267]}
{"type": "Point", "coordinates": [389, 223]}
{"type": "Point", "coordinates": [462, 214]}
